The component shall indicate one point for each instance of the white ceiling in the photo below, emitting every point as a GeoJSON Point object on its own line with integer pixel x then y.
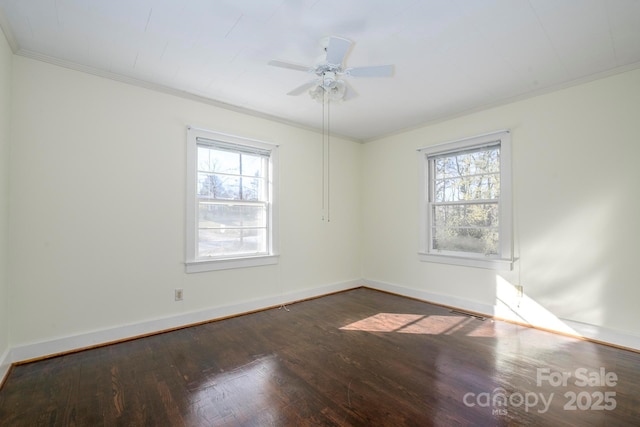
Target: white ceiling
{"type": "Point", "coordinates": [450, 56]}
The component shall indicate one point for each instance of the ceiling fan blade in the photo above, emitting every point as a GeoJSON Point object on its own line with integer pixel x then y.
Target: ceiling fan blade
{"type": "Point", "coordinates": [301, 89]}
{"type": "Point", "coordinates": [373, 71]}
{"type": "Point", "coordinates": [337, 49]}
{"type": "Point", "coordinates": [288, 65]}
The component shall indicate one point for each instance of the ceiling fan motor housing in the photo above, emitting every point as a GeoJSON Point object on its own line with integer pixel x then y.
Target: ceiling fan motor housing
{"type": "Point", "coordinates": [329, 80]}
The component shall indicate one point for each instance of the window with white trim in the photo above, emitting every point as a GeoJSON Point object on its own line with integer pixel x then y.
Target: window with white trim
{"type": "Point", "coordinates": [231, 206]}
{"type": "Point", "coordinates": [466, 202]}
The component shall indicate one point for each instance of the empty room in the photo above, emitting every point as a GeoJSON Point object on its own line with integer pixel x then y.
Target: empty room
{"type": "Point", "coordinates": [313, 212]}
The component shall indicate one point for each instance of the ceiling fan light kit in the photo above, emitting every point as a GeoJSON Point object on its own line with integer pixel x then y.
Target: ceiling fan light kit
{"type": "Point", "coordinates": [334, 89]}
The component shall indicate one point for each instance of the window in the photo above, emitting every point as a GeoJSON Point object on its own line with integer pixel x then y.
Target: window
{"type": "Point", "coordinates": [231, 204]}
{"type": "Point", "coordinates": [466, 202]}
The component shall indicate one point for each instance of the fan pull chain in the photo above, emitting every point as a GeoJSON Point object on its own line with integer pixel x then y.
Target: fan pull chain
{"type": "Point", "coordinates": [326, 158]}
{"type": "Point", "coordinates": [324, 99]}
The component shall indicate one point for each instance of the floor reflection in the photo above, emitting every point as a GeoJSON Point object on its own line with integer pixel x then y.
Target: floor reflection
{"type": "Point", "coordinates": [225, 397]}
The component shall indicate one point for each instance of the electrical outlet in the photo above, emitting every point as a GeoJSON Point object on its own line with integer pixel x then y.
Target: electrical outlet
{"type": "Point", "coordinates": [520, 290]}
{"type": "Point", "coordinates": [178, 294]}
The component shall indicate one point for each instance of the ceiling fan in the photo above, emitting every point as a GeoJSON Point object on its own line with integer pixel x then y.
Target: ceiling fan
{"type": "Point", "coordinates": [330, 70]}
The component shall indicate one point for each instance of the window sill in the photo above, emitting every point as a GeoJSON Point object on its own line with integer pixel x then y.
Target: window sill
{"type": "Point", "coordinates": [488, 263]}
{"type": "Point", "coordinates": [229, 263]}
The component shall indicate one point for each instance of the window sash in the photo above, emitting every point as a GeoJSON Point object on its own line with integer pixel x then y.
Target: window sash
{"type": "Point", "coordinates": [262, 247]}
{"type": "Point", "coordinates": [437, 242]}
{"type": "Point", "coordinates": [222, 228]}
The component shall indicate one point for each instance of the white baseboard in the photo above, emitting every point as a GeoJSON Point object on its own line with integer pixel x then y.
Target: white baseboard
{"type": "Point", "coordinates": [520, 313]}
{"type": "Point", "coordinates": [76, 342]}
{"type": "Point", "coordinates": [605, 335]}
{"type": "Point", "coordinates": [90, 339]}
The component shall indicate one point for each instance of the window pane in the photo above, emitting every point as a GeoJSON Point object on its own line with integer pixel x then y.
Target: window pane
{"type": "Point", "coordinates": [483, 161]}
{"type": "Point", "coordinates": [216, 242]}
{"type": "Point", "coordinates": [225, 161]}
{"type": "Point", "coordinates": [224, 187]}
{"type": "Point", "coordinates": [253, 165]}
{"type": "Point", "coordinates": [212, 160]}
{"type": "Point", "coordinates": [204, 160]}
{"type": "Point", "coordinates": [470, 163]}
{"type": "Point", "coordinates": [208, 186]}
{"type": "Point", "coordinates": [474, 240]}
{"type": "Point", "coordinates": [216, 186]}
{"type": "Point", "coordinates": [476, 215]}
{"type": "Point", "coordinates": [476, 187]}
{"type": "Point", "coordinates": [212, 215]}
{"type": "Point", "coordinates": [253, 189]}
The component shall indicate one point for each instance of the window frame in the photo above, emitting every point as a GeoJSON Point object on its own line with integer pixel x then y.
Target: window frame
{"type": "Point", "coordinates": [195, 263]}
{"type": "Point", "coordinates": [505, 258]}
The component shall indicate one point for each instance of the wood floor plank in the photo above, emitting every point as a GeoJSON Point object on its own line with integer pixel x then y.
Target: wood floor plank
{"type": "Point", "coordinates": [357, 358]}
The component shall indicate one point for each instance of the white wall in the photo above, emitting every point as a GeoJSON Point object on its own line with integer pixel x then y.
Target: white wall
{"type": "Point", "coordinates": [575, 179]}
{"type": "Point", "coordinates": [98, 207]}
{"type": "Point", "coordinates": [6, 57]}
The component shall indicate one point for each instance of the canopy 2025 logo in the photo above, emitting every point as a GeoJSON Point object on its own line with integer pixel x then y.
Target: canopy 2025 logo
{"type": "Point", "coordinates": [595, 400]}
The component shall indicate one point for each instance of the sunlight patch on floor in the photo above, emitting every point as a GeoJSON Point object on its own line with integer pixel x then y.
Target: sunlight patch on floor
{"type": "Point", "coordinates": [415, 324]}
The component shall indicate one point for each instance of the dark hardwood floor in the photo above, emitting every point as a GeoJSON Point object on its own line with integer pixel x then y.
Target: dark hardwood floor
{"type": "Point", "coordinates": [361, 358]}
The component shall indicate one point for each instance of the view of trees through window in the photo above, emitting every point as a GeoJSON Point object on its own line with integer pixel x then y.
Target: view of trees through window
{"type": "Point", "coordinates": [464, 199]}
{"type": "Point", "coordinates": [232, 199]}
